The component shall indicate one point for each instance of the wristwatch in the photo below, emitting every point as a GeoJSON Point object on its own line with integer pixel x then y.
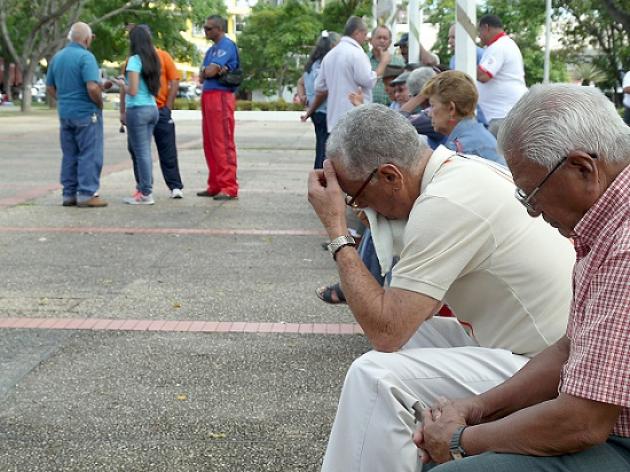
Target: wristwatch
{"type": "Point", "coordinates": [342, 241]}
{"type": "Point", "coordinates": [455, 445]}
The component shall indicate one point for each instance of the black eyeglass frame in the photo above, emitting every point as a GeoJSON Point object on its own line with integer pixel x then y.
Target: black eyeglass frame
{"type": "Point", "coordinates": [526, 199]}
{"type": "Point", "coordinates": [351, 201]}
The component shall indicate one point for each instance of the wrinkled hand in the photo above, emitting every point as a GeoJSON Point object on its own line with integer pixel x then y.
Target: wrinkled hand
{"type": "Point", "coordinates": [120, 81]}
{"type": "Point", "coordinates": [438, 425]}
{"type": "Point", "coordinates": [356, 98]}
{"type": "Point", "coordinates": [305, 116]}
{"type": "Point", "coordinates": [328, 200]}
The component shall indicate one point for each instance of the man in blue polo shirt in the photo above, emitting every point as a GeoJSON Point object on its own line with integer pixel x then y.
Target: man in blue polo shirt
{"type": "Point", "coordinates": [74, 80]}
{"type": "Point", "coordinates": [217, 112]}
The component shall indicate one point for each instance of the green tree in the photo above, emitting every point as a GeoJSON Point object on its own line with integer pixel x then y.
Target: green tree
{"type": "Point", "coordinates": [524, 21]}
{"type": "Point", "coordinates": [274, 43]}
{"type": "Point", "coordinates": [32, 31]}
{"type": "Point", "coordinates": [337, 12]}
{"type": "Point", "coordinates": [601, 25]}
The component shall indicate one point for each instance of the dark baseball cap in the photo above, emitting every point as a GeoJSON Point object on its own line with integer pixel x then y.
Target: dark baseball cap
{"type": "Point", "coordinates": [403, 41]}
{"type": "Point", "coordinates": [392, 71]}
{"type": "Point", "coordinates": [401, 79]}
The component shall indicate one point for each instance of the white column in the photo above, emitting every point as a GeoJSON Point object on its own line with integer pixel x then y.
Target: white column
{"type": "Point", "coordinates": [413, 18]}
{"type": "Point", "coordinates": [465, 34]}
{"type": "Point", "coordinates": [547, 42]}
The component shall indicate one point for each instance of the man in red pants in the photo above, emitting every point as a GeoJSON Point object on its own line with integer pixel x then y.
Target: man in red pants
{"type": "Point", "coordinates": [217, 111]}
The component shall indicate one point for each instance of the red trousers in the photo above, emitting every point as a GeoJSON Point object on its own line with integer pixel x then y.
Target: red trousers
{"type": "Point", "coordinates": [217, 113]}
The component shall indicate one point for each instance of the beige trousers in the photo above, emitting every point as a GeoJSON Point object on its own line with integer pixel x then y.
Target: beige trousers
{"type": "Point", "coordinates": [375, 421]}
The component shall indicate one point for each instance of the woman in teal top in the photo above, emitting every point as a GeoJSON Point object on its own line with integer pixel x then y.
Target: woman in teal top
{"type": "Point", "coordinates": [141, 85]}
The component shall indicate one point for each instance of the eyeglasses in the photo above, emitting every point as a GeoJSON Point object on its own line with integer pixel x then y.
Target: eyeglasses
{"type": "Point", "coordinates": [526, 200]}
{"type": "Point", "coordinates": [351, 201]}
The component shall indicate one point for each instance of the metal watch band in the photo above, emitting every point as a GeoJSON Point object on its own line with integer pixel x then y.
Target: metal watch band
{"type": "Point", "coordinates": [455, 445]}
{"type": "Point", "coordinates": [337, 243]}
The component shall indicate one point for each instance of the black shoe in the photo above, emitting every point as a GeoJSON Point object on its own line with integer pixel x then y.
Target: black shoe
{"type": "Point", "coordinates": [225, 196]}
{"type": "Point", "coordinates": [205, 193]}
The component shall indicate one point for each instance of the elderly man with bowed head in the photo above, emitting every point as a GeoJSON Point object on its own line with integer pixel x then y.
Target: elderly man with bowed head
{"type": "Point", "coordinates": [73, 79]}
{"type": "Point", "coordinates": [466, 243]}
{"type": "Point", "coordinates": [569, 409]}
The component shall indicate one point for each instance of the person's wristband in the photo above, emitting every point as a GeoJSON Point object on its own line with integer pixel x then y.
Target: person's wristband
{"type": "Point", "coordinates": [340, 242]}
{"type": "Point", "coordinates": [455, 445]}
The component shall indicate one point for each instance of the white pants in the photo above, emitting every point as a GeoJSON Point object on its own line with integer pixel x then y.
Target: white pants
{"type": "Point", "coordinates": [375, 423]}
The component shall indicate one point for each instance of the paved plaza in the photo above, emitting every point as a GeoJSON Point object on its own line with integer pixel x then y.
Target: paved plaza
{"type": "Point", "coordinates": [184, 336]}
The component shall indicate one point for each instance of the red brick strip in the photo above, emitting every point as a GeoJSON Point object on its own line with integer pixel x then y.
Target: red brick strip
{"type": "Point", "coordinates": [99, 324]}
{"type": "Point", "coordinates": [181, 231]}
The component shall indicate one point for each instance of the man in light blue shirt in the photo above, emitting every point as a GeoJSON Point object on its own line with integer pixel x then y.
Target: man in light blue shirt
{"type": "Point", "coordinates": [73, 79]}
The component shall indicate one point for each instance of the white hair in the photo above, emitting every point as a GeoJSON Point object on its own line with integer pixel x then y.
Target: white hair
{"type": "Point", "coordinates": [417, 78]}
{"type": "Point", "coordinates": [371, 135]}
{"type": "Point", "coordinates": [79, 32]}
{"type": "Point", "coordinates": [551, 120]}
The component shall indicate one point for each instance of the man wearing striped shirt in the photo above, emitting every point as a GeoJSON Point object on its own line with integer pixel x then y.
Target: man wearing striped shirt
{"type": "Point", "coordinates": [569, 408]}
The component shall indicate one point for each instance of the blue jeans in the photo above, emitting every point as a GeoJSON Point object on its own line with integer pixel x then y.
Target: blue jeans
{"type": "Point", "coordinates": [611, 456]}
{"type": "Point", "coordinates": [82, 148]}
{"type": "Point", "coordinates": [140, 124]}
{"type": "Point", "coordinates": [164, 134]}
{"type": "Point", "coordinates": [367, 252]}
{"type": "Point", "coordinates": [321, 136]}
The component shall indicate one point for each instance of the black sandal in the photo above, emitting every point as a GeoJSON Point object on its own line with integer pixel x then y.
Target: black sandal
{"type": "Point", "coordinates": [331, 294]}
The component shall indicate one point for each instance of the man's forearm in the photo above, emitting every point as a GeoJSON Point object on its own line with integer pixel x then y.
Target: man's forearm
{"type": "Point", "coordinates": [564, 425]}
{"type": "Point", "coordinates": [173, 87]}
{"type": "Point", "coordinates": [389, 317]}
{"type": "Point", "coordinates": [535, 383]}
{"type": "Point", "coordinates": [96, 95]}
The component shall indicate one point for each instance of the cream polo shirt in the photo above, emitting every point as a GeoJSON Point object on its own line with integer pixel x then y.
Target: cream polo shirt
{"type": "Point", "coordinates": [471, 244]}
{"type": "Point", "coordinates": [503, 61]}
{"type": "Point", "coordinates": [344, 69]}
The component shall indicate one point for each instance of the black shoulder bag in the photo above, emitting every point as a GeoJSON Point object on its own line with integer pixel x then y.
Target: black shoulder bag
{"type": "Point", "coordinates": [232, 78]}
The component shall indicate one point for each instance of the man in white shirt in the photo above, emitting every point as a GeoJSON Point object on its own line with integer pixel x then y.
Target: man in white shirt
{"type": "Point", "coordinates": [501, 73]}
{"type": "Point", "coordinates": [344, 70]}
{"type": "Point", "coordinates": [626, 98]}
{"type": "Point", "coordinates": [466, 243]}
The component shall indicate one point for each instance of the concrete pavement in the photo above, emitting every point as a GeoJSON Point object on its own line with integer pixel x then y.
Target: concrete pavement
{"type": "Point", "coordinates": [185, 336]}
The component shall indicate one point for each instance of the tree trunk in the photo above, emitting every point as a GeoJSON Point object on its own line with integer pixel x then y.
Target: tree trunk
{"type": "Point", "coordinates": [27, 83]}
{"type": "Point", "coordinates": [6, 82]}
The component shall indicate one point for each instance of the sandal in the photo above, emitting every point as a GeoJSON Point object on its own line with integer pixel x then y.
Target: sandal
{"type": "Point", "coordinates": [331, 294]}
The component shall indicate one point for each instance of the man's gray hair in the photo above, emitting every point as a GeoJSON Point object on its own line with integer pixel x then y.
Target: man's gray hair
{"type": "Point", "coordinates": [354, 23]}
{"type": "Point", "coordinates": [551, 120]}
{"type": "Point", "coordinates": [417, 78]}
{"type": "Point", "coordinates": [378, 27]}
{"type": "Point", "coordinates": [372, 135]}
{"type": "Point", "coordinates": [79, 32]}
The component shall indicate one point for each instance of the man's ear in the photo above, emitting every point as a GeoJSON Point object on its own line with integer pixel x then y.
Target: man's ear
{"type": "Point", "coordinates": [390, 173]}
{"type": "Point", "coordinates": [583, 164]}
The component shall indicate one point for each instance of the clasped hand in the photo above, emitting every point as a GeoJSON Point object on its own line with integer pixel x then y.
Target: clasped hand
{"type": "Point", "coordinates": [438, 425]}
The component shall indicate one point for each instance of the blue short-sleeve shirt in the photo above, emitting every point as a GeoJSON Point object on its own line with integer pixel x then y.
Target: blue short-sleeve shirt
{"type": "Point", "coordinates": [143, 98]}
{"type": "Point", "coordinates": [224, 54]}
{"type": "Point", "coordinates": [69, 72]}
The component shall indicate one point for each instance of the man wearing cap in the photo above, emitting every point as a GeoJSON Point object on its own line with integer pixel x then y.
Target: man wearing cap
{"type": "Point", "coordinates": [164, 131]}
{"type": "Point", "coordinates": [380, 41]}
{"type": "Point", "coordinates": [73, 79]}
{"type": "Point", "coordinates": [427, 58]}
{"type": "Point", "coordinates": [501, 73]}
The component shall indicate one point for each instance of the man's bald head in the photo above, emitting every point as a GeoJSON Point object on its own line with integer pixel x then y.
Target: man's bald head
{"type": "Point", "coordinates": [80, 33]}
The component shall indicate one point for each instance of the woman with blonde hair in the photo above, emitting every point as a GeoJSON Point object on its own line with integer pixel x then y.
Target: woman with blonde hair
{"type": "Point", "coordinates": [453, 98]}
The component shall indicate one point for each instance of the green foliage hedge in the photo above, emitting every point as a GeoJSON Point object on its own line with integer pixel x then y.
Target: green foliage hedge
{"type": "Point", "coordinates": [242, 105]}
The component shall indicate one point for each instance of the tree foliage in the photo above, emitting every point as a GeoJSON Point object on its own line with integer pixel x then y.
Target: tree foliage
{"type": "Point", "coordinates": [601, 25]}
{"type": "Point", "coordinates": [274, 43]}
{"type": "Point", "coordinates": [524, 20]}
{"type": "Point", "coordinates": [36, 30]}
{"type": "Point", "coordinates": [337, 12]}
